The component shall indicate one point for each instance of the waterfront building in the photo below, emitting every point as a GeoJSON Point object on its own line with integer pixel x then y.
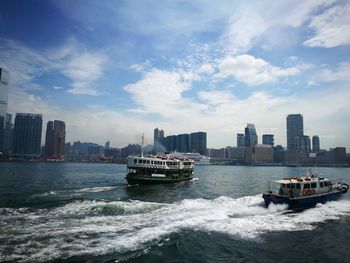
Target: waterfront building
{"type": "Point", "coordinates": [198, 142]}
{"type": "Point", "coordinates": [183, 143]}
{"type": "Point", "coordinates": [303, 143]}
{"type": "Point", "coordinates": [235, 153]}
{"type": "Point", "coordinates": [240, 140]}
{"type": "Point", "coordinates": [295, 128]}
{"type": "Point", "coordinates": [4, 91]}
{"type": "Point", "coordinates": [268, 139]}
{"type": "Point", "coordinates": [251, 138]}
{"type": "Point", "coordinates": [259, 154]}
{"type": "Point", "coordinates": [55, 139]}
{"type": "Point", "coordinates": [94, 153]}
{"type": "Point", "coordinates": [27, 135]}
{"type": "Point", "coordinates": [217, 153]}
{"type": "Point", "coordinates": [158, 140]}
{"type": "Point", "coordinates": [315, 144]}
{"type": "Point", "coordinates": [107, 145]}
{"type": "Point", "coordinates": [170, 143]}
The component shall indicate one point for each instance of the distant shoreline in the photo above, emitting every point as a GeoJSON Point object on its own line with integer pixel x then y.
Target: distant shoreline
{"type": "Point", "coordinates": [214, 164]}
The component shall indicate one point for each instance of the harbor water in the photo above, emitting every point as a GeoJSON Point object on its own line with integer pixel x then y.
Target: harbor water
{"type": "Point", "coordinates": [86, 212]}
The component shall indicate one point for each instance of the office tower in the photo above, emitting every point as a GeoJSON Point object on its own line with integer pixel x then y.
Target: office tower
{"type": "Point", "coordinates": [170, 143]}
{"type": "Point", "coordinates": [4, 91]}
{"type": "Point", "coordinates": [55, 139]}
{"type": "Point", "coordinates": [295, 128]}
{"type": "Point", "coordinates": [198, 142]}
{"type": "Point", "coordinates": [158, 140]}
{"type": "Point", "coordinates": [268, 139]}
{"type": "Point", "coordinates": [8, 134]}
{"type": "Point", "coordinates": [303, 143]}
{"type": "Point", "coordinates": [27, 135]}
{"type": "Point", "coordinates": [240, 140]}
{"type": "Point", "coordinates": [48, 152]}
{"type": "Point", "coordinates": [315, 144]}
{"type": "Point", "coordinates": [183, 143]}
{"type": "Point", "coordinates": [251, 139]}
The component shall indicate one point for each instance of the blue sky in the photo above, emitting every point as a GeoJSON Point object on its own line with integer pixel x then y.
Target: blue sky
{"type": "Point", "coordinates": [114, 69]}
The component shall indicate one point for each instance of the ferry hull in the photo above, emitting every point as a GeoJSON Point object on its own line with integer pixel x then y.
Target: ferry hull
{"type": "Point", "coordinates": [302, 202]}
{"type": "Point", "coordinates": [147, 180]}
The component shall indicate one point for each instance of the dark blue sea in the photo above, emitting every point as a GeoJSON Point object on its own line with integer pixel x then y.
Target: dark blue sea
{"type": "Point", "coordinates": [84, 212]}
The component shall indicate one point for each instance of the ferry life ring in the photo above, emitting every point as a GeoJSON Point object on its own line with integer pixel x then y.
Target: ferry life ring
{"type": "Point", "coordinates": [308, 191]}
{"type": "Point", "coordinates": [290, 192]}
{"type": "Point", "coordinates": [304, 192]}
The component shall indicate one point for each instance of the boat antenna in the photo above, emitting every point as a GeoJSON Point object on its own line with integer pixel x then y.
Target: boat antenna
{"type": "Point", "coordinates": [143, 138]}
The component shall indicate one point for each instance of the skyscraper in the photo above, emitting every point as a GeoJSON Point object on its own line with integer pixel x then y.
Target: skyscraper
{"type": "Point", "coordinates": [158, 140]}
{"type": "Point", "coordinates": [183, 143]}
{"type": "Point", "coordinates": [55, 139]}
{"type": "Point", "coordinates": [27, 135]}
{"type": "Point", "coordinates": [198, 142]}
{"type": "Point", "coordinates": [4, 91]}
{"type": "Point", "coordinates": [295, 128]}
{"type": "Point", "coordinates": [315, 144]}
{"type": "Point", "coordinates": [251, 139]}
{"type": "Point", "coordinates": [240, 140]}
{"type": "Point", "coordinates": [268, 139]}
{"type": "Point", "coordinates": [303, 143]}
{"type": "Point", "coordinates": [170, 143]}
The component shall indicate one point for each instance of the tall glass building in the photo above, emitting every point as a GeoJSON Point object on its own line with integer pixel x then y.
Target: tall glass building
{"type": "Point", "coordinates": [240, 140]}
{"type": "Point", "coordinates": [315, 143]}
{"type": "Point", "coordinates": [4, 92]}
{"type": "Point", "coordinates": [251, 138]}
{"type": "Point", "coordinates": [55, 139]}
{"type": "Point", "coordinates": [199, 142]}
{"type": "Point", "coordinates": [27, 135]}
{"type": "Point", "coordinates": [268, 139]}
{"type": "Point", "coordinates": [295, 128]}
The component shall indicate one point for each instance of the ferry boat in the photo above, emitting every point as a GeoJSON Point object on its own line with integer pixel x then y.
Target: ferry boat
{"type": "Point", "coordinates": [304, 192]}
{"type": "Point", "coordinates": [158, 169]}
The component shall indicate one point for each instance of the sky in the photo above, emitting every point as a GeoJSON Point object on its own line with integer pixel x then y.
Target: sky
{"type": "Point", "coordinates": [113, 70]}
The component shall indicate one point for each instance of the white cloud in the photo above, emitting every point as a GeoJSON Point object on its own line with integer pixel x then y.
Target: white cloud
{"type": "Point", "coordinates": [248, 23]}
{"type": "Point", "coordinates": [332, 28]}
{"type": "Point", "coordinates": [80, 66]}
{"type": "Point", "coordinates": [253, 71]}
{"type": "Point", "coordinates": [161, 92]}
{"type": "Point", "coordinates": [205, 69]}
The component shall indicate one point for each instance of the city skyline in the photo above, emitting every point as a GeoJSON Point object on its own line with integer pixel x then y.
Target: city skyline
{"type": "Point", "coordinates": [222, 65]}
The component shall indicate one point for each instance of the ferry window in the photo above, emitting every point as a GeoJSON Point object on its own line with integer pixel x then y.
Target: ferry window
{"type": "Point", "coordinates": [306, 186]}
{"type": "Point", "coordinates": [321, 184]}
{"type": "Point", "coordinates": [313, 185]}
{"type": "Point", "coordinates": [135, 160]}
{"type": "Point", "coordinates": [297, 186]}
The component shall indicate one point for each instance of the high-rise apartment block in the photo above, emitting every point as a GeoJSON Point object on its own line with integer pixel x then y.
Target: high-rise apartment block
{"type": "Point", "coordinates": [158, 140]}
{"type": "Point", "coordinates": [303, 143]}
{"type": "Point", "coordinates": [27, 135]}
{"type": "Point", "coordinates": [55, 139]}
{"type": "Point", "coordinates": [240, 140]}
{"type": "Point", "coordinates": [315, 144]}
{"type": "Point", "coordinates": [183, 143]}
{"type": "Point", "coordinates": [198, 142]}
{"type": "Point", "coordinates": [251, 138]}
{"type": "Point", "coordinates": [295, 128]}
{"type": "Point", "coordinates": [268, 139]}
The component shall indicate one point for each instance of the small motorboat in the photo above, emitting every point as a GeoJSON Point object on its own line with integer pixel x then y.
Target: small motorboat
{"type": "Point", "coordinates": [304, 192]}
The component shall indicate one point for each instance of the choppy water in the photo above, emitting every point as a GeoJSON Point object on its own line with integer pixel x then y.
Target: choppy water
{"type": "Point", "coordinates": [86, 212]}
